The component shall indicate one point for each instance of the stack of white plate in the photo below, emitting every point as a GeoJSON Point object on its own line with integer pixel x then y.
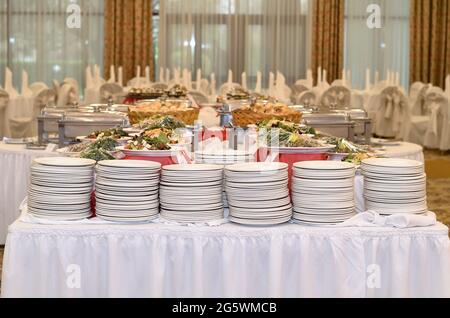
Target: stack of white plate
{"type": "Point", "coordinates": [223, 157]}
{"type": "Point", "coordinates": [60, 188]}
{"type": "Point", "coordinates": [192, 193]}
{"type": "Point", "coordinates": [127, 190]}
{"type": "Point", "coordinates": [394, 186]}
{"type": "Point", "coordinates": [323, 192]}
{"type": "Point", "coordinates": [258, 193]}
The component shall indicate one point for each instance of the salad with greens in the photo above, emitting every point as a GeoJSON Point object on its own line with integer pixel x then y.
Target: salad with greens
{"type": "Point", "coordinates": [100, 150]}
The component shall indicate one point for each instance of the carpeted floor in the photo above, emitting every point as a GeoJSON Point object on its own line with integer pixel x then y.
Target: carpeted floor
{"type": "Point", "coordinates": [438, 171]}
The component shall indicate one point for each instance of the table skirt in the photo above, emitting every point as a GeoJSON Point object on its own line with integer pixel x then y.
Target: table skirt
{"type": "Point", "coordinates": [15, 164]}
{"type": "Point", "coordinates": [157, 260]}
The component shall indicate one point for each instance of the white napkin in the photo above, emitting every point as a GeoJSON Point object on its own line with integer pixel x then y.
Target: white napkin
{"type": "Point", "coordinates": [230, 77]}
{"type": "Point", "coordinates": [258, 88]}
{"type": "Point", "coordinates": [98, 80]}
{"type": "Point", "coordinates": [377, 77]}
{"type": "Point", "coordinates": [112, 74]}
{"type": "Point", "coordinates": [344, 77]}
{"type": "Point", "coordinates": [26, 91]}
{"type": "Point", "coordinates": [214, 223]}
{"type": "Point", "coordinates": [120, 76]}
{"type": "Point", "coordinates": [138, 71]}
{"type": "Point", "coordinates": [161, 75]}
{"type": "Point", "coordinates": [9, 87]}
{"type": "Point", "coordinates": [319, 76]}
{"type": "Point", "coordinates": [198, 80]}
{"type": "Point", "coordinates": [271, 83]}
{"type": "Point", "coordinates": [147, 75]}
{"type": "Point", "coordinates": [167, 76]}
{"type": "Point", "coordinates": [349, 78]}
{"type": "Point", "coordinates": [368, 80]}
{"type": "Point", "coordinates": [213, 85]}
{"type": "Point", "coordinates": [177, 76]}
{"type": "Point", "coordinates": [324, 77]}
{"type": "Point", "coordinates": [397, 79]}
{"type": "Point", "coordinates": [401, 221]}
{"type": "Point", "coordinates": [309, 78]}
{"type": "Point", "coordinates": [244, 80]}
{"type": "Point", "coordinates": [89, 78]}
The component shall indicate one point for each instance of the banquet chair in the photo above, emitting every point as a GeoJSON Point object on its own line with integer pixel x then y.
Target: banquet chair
{"type": "Point", "coordinates": [228, 87]}
{"type": "Point", "coordinates": [138, 82]}
{"type": "Point", "coordinates": [336, 97]}
{"type": "Point", "coordinates": [297, 90]}
{"type": "Point", "coordinates": [199, 97]}
{"type": "Point", "coordinates": [390, 113]}
{"type": "Point", "coordinates": [37, 87]}
{"type": "Point", "coordinates": [307, 99]}
{"type": "Point", "coordinates": [420, 116]}
{"type": "Point", "coordinates": [21, 127]}
{"type": "Point", "coordinates": [111, 92]}
{"type": "Point", "coordinates": [357, 100]}
{"type": "Point", "coordinates": [204, 87]}
{"type": "Point", "coordinates": [160, 86]}
{"type": "Point", "coordinates": [437, 133]}
{"type": "Point", "coordinates": [67, 96]}
{"type": "Point", "coordinates": [42, 99]}
{"type": "Point", "coordinates": [74, 83]}
{"type": "Point", "coordinates": [414, 92]}
{"type": "Point", "coordinates": [4, 100]}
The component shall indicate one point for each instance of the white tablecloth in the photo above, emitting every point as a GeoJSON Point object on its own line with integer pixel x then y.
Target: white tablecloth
{"type": "Point", "coordinates": [15, 162]}
{"type": "Point", "coordinates": [406, 150]}
{"type": "Point", "coordinates": [157, 260]}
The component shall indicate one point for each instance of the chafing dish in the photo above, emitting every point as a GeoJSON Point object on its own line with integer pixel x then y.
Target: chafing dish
{"type": "Point", "coordinates": [335, 124]}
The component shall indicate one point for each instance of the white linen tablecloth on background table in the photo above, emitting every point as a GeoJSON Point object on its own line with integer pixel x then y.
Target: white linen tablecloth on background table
{"type": "Point", "coordinates": [15, 162]}
{"type": "Point", "coordinates": [405, 150]}
{"type": "Point", "coordinates": [157, 260]}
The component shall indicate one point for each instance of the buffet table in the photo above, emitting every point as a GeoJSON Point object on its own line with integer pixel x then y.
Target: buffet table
{"type": "Point", "coordinates": [156, 260]}
{"type": "Point", "coordinates": [15, 162]}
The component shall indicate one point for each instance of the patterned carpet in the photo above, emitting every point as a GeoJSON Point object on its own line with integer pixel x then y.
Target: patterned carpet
{"type": "Point", "coordinates": [438, 171]}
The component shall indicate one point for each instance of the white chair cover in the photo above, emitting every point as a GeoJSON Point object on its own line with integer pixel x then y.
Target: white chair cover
{"type": "Point", "coordinates": [307, 98]}
{"type": "Point", "coordinates": [414, 91]}
{"type": "Point", "coordinates": [228, 87]}
{"type": "Point", "coordinates": [37, 87]}
{"type": "Point", "coordinates": [437, 134]}
{"type": "Point", "coordinates": [161, 86]}
{"type": "Point", "coordinates": [74, 83]}
{"type": "Point", "coordinates": [139, 82]}
{"type": "Point", "coordinates": [357, 100]}
{"type": "Point", "coordinates": [4, 100]}
{"type": "Point", "coordinates": [390, 113]}
{"type": "Point", "coordinates": [41, 100]}
{"type": "Point", "coordinates": [297, 90]}
{"type": "Point", "coordinates": [199, 97]}
{"type": "Point", "coordinates": [111, 91]}
{"type": "Point", "coordinates": [338, 97]}
{"type": "Point", "coordinates": [67, 95]}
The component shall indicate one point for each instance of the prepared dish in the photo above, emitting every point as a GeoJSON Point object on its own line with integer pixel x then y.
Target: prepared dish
{"type": "Point", "coordinates": [100, 150]}
{"type": "Point", "coordinates": [115, 133]}
{"type": "Point", "coordinates": [179, 110]}
{"type": "Point", "coordinates": [154, 139]}
{"type": "Point", "coordinates": [288, 134]}
{"type": "Point", "coordinates": [253, 114]}
{"type": "Point", "coordinates": [160, 122]}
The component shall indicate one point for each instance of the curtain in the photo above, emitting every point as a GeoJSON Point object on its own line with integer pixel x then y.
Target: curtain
{"type": "Point", "coordinates": [328, 40]}
{"type": "Point", "coordinates": [241, 35]}
{"type": "Point", "coordinates": [378, 49]}
{"type": "Point", "coordinates": [430, 41]}
{"type": "Point", "coordinates": [128, 36]}
{"type": "Point", "coordinates": [34, 36]}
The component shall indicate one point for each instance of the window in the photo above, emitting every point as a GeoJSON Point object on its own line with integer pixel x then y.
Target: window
{"type": "Point", "coordinates": [35, 37]}
{"type": "Point", "coordinates": [377, 49]}
{"type": "Point", "coordinates": [241, 35]}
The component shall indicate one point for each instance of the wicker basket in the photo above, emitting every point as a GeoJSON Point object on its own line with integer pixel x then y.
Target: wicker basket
{"type": "Point", "coordinates": [247, 117]}
{"type": "Point", "coordinates": [188, 116]}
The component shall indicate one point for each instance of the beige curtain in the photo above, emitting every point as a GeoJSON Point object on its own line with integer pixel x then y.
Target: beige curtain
{"type": "Point", "coordinates": [328, 37]}
{"type": "Point", "coordinates": [128, 36]}
{"type": "Point", "coordinates": [430, 41]}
